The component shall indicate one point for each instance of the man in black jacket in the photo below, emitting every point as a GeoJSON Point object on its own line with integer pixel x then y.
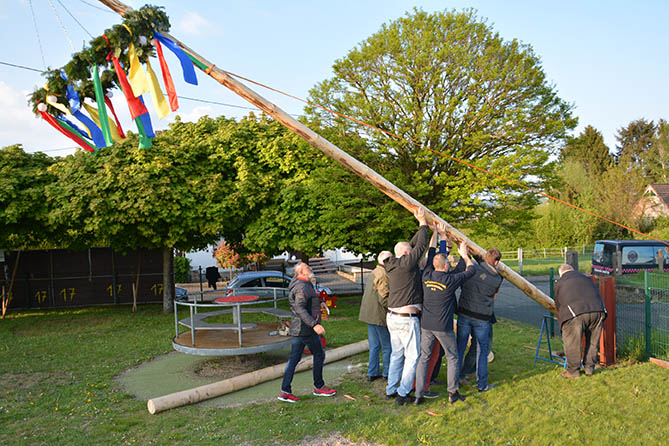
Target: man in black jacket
{"type": "Point", "coordinates": [580, 311]}
{"type": "Point", "coordinates": [405, 302]}
{"type": "Point", "coordinates": [305, 328]}
{"type": "Point", "coordinates": [475, 312]}
{"type": "Point", "coordinates": [439, 286]}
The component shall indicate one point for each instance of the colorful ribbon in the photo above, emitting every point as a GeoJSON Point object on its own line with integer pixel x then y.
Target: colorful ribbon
{"type": "Point", "coordinates": [136, 76]}
{"type": "Point", "coordinates": [186, 64]}
{"type": "Point", "coordinates": [103, 120]}
{"type": "Point", "coordinates": [62, 128]}
{"type": "Point", "coordinates": [118, 123]}
{"type": "Point", "coordinates": [167, 77]}
{"type": "Point", "coordinates": [162, 108]}
{"type": "Point", "coordinates": [96, 117]}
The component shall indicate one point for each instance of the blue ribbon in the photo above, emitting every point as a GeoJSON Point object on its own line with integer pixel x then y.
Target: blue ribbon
{"type": "Point", "coordinates": [81, 132]}
{"type": "Point", "coordinates": [92, 127]}
{"type": "Point", "coordinates": [146, 122]}
{"type": "Point", "coordinates": [71, 93]}
{"type": "Point", "coordinates": [186, 64]}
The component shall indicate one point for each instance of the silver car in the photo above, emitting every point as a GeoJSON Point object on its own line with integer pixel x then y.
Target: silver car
{"type": "Point", "coordinates": [258, 283]}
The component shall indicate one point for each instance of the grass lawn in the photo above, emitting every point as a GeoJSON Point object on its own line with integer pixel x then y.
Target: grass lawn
{"type": "Point", "coordinates": [57, 372]}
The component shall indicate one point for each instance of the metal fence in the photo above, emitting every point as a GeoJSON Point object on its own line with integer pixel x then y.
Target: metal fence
{"type": "Point", "coordinates": [642, 311]}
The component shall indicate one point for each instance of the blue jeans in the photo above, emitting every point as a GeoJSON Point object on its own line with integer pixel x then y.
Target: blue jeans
{"type": "Point", "coordinates": [379, 341]}
{"type": "Point", "coordinates": [469, 363]}
{"type": "Point", "coordinates": [405, 343]}
{"type": "Point", "coordinates": [480, 331]}
{"type": "Point", "coordinates": [313, 343]}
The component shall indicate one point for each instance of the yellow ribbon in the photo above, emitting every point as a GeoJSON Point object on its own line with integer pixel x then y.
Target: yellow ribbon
{"type": "Point", "coordinates": [66, 112]}
{"type": "Point", "coordinates": [96, 117]}
{"type": "Point", "coordinates": [136, 75]}
{"type": "Point", "coordinates": [162, 107]}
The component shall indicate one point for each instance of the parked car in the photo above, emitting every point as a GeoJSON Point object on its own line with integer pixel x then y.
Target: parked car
{"type": "Point", "coordinates": [180, 294]}
{"type": "Point", "coordinates": [260, 279]}
{"type": "Point", "coordinates": [614, 257]}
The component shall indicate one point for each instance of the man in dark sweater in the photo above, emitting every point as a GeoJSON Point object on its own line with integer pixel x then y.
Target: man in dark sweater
{"type": "Point", "coordinates": [305, 328]}
{"type": "Point", "coordinates": [580, 311]}
{"type": "Point", "coordinates": [475, 312]}
{"type": "Point", "coordinates": [439, 286]}
{"type": "Point", "coordinates": [405, 302]}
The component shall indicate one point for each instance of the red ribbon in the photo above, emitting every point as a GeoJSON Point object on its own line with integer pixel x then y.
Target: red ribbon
{"type": "Point", "coordinates": [118, 123]}
{"type": "Point", "coordinates": [167, 77]}
{"type": "Point", "coordinates": [51, 120]}
{"type": "Point", "coordinates": [134, 104]}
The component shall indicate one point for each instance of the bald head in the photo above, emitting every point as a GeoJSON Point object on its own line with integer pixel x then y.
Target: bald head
{"type": "Point", "coordinates": [302, 269]}
{"type": "Point", "coordinates": [402, 248]}
{"type": "Point", "coordinates": [383, 255]}
{"type": "Point", "coordinates": [440, 262]}
{"type": "Point", "coordinates": [565, 269]}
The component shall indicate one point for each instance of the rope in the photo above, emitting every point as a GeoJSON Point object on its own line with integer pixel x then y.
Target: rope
{"type": "Point", "coordinates": [62, 25]}
{"type": "Point", "coordinates": [511, 181]}
{"type": "Point", "coordinates": [75, 19]}
{"type": "Point", "coordinates": [97, 7]}
{"type": "Point", "coordinates": [39, 41]}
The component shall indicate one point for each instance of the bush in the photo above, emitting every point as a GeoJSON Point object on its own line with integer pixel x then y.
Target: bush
{"type": "Point", "coordinates": [182, 269]}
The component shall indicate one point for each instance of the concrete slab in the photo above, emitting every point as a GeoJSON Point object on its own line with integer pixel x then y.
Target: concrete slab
{"type": "Point", "coordinates": [175, 372]}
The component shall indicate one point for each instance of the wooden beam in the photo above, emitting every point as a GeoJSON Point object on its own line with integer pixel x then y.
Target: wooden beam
{"type": "Point", "coordinates": [349, 162]}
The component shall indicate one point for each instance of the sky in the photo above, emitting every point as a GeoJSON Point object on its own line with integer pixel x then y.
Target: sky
{"type": "Point", "coordinates": [607, 58]}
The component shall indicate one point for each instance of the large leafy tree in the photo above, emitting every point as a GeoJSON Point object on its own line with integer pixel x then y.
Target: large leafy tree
{"type": "Point", "coordinates": [23, 210]}
{"type": "Point", "coordinates": [444, 82]}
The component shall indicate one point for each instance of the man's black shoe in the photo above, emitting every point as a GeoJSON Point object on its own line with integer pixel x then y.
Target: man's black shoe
{"type": "Point", "coordinates": [400, 400]}
{"type": "Point", "coordinates": [455, 397]}
{"type": "Point", "coordinates": [390, 397]}
{"type": "Point", "coordinates": [373, 378]}
{"type": "Point", "coordinates": [419, 400]}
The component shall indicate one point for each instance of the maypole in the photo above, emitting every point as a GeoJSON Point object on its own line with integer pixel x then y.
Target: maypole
{"type": "Point", "coordinates": [345, 159]}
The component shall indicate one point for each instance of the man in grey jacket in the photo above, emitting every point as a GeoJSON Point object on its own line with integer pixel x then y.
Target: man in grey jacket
{"type": "Point", "coordinates": [373, 309]}
{"type": "Point", "coordinates": [580, 312]}
{"type": "Point", "coordinates": [305, 328]}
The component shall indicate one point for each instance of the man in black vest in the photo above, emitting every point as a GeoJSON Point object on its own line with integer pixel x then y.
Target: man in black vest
{"type": "Point", "coordinates": [405, 302]}
{"type": "Point", "coordinates": [439, 286]}
{"type": "Point", "coordinates": [580, 311]}
{"type": "Point", "coordinates": [475, 312]}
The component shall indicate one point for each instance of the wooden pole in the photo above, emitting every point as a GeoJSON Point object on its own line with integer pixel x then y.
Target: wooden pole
{"type": "Point", "coordinates": [349, 162]}
{"type": "Point", "coordinates": [240, 382]}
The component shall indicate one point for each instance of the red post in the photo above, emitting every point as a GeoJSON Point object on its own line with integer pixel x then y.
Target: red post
{"type": "Point", "coordinates": [607, 342]}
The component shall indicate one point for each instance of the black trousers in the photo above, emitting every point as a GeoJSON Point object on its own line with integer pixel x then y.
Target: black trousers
{"type": "Point", "coordinates": [590, 325]}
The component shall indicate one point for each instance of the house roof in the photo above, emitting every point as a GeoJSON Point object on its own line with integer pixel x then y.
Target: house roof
{"type": "Point", "coordinates": [662, 191]}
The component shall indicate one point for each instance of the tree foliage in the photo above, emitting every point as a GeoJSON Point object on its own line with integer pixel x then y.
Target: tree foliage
{"type": "Point", "coordinates": [588, 149]}
{"type": "Point", "coordinates": [443, 82]}
{"type": "Point", "coordinates": [23, 211]}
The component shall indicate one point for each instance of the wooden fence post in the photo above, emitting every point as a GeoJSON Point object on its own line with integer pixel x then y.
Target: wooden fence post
{"type": "Point", "coordinates": [607, 342]}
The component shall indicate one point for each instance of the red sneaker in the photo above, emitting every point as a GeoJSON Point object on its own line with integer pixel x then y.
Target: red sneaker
{"type": "Point", "coordinates": [289, 397]}
{"type": "Point", "coordinates": [325, 391]}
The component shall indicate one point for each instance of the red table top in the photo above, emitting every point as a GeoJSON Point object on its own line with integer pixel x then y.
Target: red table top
{"type": "Point", "coordinates": [235, 299]}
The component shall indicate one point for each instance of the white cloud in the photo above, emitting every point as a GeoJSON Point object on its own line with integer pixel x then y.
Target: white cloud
{"type": "Point", "coordinates": [20, 126]}
{"type": "Point", "coordinates": [194, 24]}
{"type": "Point", "coordinates": [196, 113]}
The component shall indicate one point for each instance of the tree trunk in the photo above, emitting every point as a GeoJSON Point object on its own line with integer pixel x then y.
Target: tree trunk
{"type": "Point", "coordinates": [168, 280]}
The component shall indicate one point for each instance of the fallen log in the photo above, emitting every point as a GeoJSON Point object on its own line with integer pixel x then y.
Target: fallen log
{"type": "Point", "coordinates": [213, 390]}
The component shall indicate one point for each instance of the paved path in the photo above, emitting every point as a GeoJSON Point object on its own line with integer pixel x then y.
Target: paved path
{"type": "Point", "coordinates": [513, 304]}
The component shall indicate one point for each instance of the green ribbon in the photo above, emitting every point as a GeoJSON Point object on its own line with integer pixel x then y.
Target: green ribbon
{"type": "Point", "coordinates": [102, 108]}
{"type": "Point", "coordinates": [144, 141]}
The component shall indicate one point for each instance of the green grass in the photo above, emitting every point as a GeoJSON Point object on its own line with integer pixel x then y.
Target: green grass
{"type": "Point", "coordinates": [57, 372]}
{"type": "Point", "coordinates": [540, 266]}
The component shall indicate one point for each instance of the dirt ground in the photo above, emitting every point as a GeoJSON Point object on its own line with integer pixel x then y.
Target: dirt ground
{"type": "Point", "coordinates": [231, 366]}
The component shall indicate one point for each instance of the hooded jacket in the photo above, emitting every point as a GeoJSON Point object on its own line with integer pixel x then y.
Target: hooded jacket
{"type": "Point", "coordinates": [305, 307]}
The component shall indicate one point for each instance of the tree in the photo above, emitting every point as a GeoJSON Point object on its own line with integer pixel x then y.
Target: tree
{"type": "Point", "coordinates": [443, 82]}
{"type": "Point", "coordinates": [588, 149]}
{"type": "Point", "coordinates": [659, 166]}
{"type": "Point", "coordinates": [23, 210]}
{"type": "Point", "coordinates": [227, 257]}
{"type": "Point", "coordinates": [634, 146]}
